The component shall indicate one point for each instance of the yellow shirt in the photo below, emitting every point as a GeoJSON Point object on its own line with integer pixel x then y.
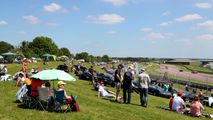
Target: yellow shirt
{"type": "Point", "coordinates": [27, 81]}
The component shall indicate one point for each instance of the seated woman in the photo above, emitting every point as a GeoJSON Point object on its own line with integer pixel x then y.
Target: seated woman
{"type": "Point", "coordinates": [19, 79]}
{"type": "Point", "coordinates": [105, 93]}
{"type": "Point", "coordinates": [62, 88]}
{"type": "Point", "coordinates": [196, 107]}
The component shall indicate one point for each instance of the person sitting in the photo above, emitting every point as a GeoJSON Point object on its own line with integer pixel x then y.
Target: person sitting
{"type": "Point", "coordinates": [28, 83]}
{"type": "Point", "coordinates": [50, 96]}
{"type": "Point", "coordinates": [70, 99]}
{"type": "Point", "coordinates": [196, 107]}
{"type": "Point", "coordinates": [105, 93]}
{"type": "Point", "coordinates": [178, 103]}
{"type": "Point", "coordinates": [61, 87]}
{"type": "Point", "coordinates": [19, 79]}
{"type": "Point", "coordinates": [171, 101]}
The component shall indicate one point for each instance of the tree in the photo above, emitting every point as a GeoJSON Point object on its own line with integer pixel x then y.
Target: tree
{"type": "Point", "coordinates": [41, 45]}
{"type": "Point", "coordinates": [83, 55]}
{"type": "Point", "coordinates": [65, 51]}
{"type": "Point", "coordinates": [26, 50]}
{"type": "Point", "coordinates": [105, 58]}
{"type": "Point", "coordinates": [5, 47]}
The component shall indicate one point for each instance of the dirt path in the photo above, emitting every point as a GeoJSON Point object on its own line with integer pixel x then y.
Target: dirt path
{"type": "Point", "coordinates": [173, 70]}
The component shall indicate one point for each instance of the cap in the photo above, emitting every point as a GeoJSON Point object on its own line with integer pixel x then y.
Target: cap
{"type": "Point", "coordinates": [180, 93]}
{"type": "Point", "coordinates": [130, 67]}
{"type": "Point", "coordinates": [174, 95]}
{"type": "Point", "coordinates": [61, 83]}
{"type": "Point", "coordinates": [142, 69]}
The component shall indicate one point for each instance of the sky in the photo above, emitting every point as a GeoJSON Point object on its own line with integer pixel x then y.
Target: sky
{"type": "Point", "coordinates": [118, 28]}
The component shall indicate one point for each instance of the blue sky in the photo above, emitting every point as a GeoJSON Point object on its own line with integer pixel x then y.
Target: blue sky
{"type": "Point", "coordinates": [135, 28]}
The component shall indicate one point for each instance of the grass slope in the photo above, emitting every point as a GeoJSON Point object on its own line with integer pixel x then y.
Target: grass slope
{"type": "Point", "coordinates": [92, 108]}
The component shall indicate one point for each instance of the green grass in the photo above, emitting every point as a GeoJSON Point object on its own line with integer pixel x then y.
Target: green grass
{"type": "Point", "coordinates": [198, 68]}
{"type": "Point", "coordinates": [152, 71]}
{"type": "Point", "coordinates": [92, 107]}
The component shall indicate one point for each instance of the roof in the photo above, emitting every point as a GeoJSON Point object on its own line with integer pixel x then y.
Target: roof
{"type": "Point", "coordinates": [182, 61]}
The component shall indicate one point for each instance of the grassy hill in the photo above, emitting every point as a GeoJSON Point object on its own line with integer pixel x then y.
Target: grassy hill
{"type": "Point", "coordinates": [92, 107]}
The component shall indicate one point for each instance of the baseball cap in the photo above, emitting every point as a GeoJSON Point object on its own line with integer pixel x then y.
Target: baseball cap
{"type": "Point", "coordinates": [61, 83]}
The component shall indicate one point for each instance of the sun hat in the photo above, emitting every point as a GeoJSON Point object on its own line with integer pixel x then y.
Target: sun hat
{"type": "Point", "coordinates": [61, 83]}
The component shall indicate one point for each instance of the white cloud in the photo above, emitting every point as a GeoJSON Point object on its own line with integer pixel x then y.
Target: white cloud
{"type": "Point", "coordinates": [106, 19]}
{"type": "Point", "coordinates": [52, 24]}
{"type": "Point", "coordinates": [146, 29]}
{"type": "Point", "coordinates": [203, 5]}
{"type": "Point", "coordinates": [75, 8]}
{"type": "Point", "coordinates": [31, 19]}
{"type": "Point", "coordinates": [166, 13]}
{"type": "Point", "coordinates": [52, 7]}
{"type": "Point", "coordinates": [116, 2]}
{"type": "Point", "coordinates": [21, 32]}
{"type": "Point", "coordinates": [164, 24]}
{"type": "Point", "coordinates": [189, 17]}
{"type": "Point", "coordinates": [155, 36]}
{"type": "Point", "coordinates": [207, 24]}
{"type": "Point", "coordinates": [111, 32]}
{"type": "Point", "coordinates": [205, 37]}
{"type": "Point", "coordinates": [2, 22]}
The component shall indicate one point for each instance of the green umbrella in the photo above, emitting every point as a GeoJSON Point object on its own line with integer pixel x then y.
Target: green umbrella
{"type": "Point", "coordinates": [53, 75]}
{"type": "Point", "coordinates": [8, 54]}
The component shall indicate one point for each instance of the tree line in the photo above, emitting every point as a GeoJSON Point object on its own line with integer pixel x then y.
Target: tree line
{"type": "Point", "coordinates": [41, 45]}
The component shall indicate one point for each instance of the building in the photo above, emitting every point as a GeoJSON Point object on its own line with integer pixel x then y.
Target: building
{"type": "Point", "coordinates": [183, 62]}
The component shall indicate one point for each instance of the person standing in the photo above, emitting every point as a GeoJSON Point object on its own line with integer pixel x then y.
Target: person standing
{"type": "Point", "coordinates": [128, 77]}
{"type": "Point", "coordinates": [118, 80]}
{"type": "Point", "coordinates": [143, 80]}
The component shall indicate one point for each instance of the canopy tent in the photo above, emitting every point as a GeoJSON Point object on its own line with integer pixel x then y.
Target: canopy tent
{"type": "Point", "coordinates": [63, 58]}
{"type": "Point", "coordinates": [49, 57]}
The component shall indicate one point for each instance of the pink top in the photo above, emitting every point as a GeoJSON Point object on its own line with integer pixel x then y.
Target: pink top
{"type": "Point", "coordinates": [196, 108]}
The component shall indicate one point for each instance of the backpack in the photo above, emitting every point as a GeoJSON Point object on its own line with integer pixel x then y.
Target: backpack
{"type": "Point", "coordinates": [128, 77]}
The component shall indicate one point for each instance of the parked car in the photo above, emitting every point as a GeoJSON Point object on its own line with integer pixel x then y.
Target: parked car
{"type": "Point", "coordinates": [158, 91]}
{"type": "Point", "coordinates": [208, 101]}
{"type": "Point", "coordinates": [85, 75]}
{"type": "Point", "coordinates": [108, 79]}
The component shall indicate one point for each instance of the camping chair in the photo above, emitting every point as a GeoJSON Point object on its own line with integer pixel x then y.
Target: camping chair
{"type": "Point", "coordinates": [32, 101]}
{"type": "Point", "coordinates": [43, 94]}
{"type": "Point", "coordinates": [60, 102]}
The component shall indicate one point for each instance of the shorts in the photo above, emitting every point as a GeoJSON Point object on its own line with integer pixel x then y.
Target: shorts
{"type": "Point", "coordinates": [109, 95]}
{"type": "Point", "coordinates": [118, 86]}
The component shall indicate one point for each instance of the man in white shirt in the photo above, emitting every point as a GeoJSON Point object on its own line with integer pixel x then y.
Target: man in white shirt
{"type": "Point", "coordinates": [143, 80]}
{"type": "Point", "coordinates": [178, 103]}
{"type": "Point", "coordinates": [105, 93]}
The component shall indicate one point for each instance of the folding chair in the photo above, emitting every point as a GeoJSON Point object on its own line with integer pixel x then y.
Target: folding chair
{"type": "Point", "coordinates": [32, 100]}
{"type": "Point", "coordinates": [43, 94]}
{"type": "Point", "coordinates": [60, 102]}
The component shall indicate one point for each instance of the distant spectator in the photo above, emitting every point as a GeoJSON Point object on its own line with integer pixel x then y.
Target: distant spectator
{"type": "Point", "coordinates": [171, 101]}
{"type": "Point", "coordinates": [200, 94]}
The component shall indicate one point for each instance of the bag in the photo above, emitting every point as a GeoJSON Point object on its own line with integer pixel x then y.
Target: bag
{"type": "Point", "coordinates": [128, 77]}
{"type": "Point", "coordinates": [74, 105]}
